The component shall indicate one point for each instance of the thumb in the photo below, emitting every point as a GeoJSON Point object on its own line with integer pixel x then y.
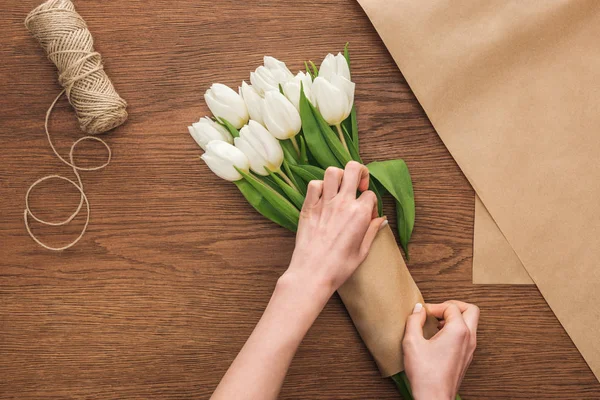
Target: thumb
{"type": "Point", "coordinates": [374, 227]}
{"type": "Point", "coordinates": [415, 322]}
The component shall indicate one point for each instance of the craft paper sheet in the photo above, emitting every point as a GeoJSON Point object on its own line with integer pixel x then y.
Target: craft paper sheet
{"type": "Point", "coordinates": [513, 90]}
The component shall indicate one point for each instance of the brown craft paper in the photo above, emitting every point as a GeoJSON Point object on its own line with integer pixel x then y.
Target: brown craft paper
{"type": "Point", "coordinates": [379, 297]}
{"type": "Point", "coordinates": [513, 90]}
{"type": "Point", "coordinates": [494, 260]}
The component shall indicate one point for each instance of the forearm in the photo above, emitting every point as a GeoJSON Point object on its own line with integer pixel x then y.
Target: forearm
{"type": "Point", "coordinates": [260, 368]}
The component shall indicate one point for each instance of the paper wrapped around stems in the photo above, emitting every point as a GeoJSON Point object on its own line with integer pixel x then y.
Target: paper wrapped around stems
{"type": "Point", "coordinates": [379, 297]}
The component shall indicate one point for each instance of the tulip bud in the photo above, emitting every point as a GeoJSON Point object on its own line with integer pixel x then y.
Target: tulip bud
{"type": "Point", "coordinates": [253, 102]}
{"type": "Point", "coordinates": [263, 151]}
{"type": "Point", "coordinates": [333, 98]}
{"type": "Point", "coordinates": [334, 65]}
{"type": "Point", "coordinates": [292, 89]}
{"type": "Point", "coordinates": [268, 76]}
{"type": "Point", "coordinates": [225, 103]}
{"type": "Point", "coordinates": [206, 130]}
{"type": "Point", "coordinates": [280, 116]}
{"type": "Point", "coordinates": [222, 158]}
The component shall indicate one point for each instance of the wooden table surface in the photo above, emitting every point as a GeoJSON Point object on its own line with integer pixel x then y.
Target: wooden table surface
{"type": "Point", "coordinates": [176, 268]}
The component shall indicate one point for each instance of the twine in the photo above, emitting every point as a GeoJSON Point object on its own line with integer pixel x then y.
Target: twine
{"type": "Point", "coordinates": [64, 35]}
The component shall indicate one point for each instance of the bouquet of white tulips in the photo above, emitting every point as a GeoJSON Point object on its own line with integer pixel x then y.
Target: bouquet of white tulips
{"type": "Point", "coordinates": [275, 135]}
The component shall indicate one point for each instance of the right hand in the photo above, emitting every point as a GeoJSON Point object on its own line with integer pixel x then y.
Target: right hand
{"type": "Point", "coordinates": [436, 367]}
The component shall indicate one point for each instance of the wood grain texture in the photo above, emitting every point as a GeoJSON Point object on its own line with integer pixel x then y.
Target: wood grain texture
{"type": "Point", "coordinates": [176, 268]}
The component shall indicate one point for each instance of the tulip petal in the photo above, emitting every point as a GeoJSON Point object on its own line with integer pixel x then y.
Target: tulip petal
{"type": "Point", "coordinates": [332, 101]}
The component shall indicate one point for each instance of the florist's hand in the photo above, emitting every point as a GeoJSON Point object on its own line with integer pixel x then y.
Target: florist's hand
{"type": "Point", "coordinates": [336, 228]}
{"type": "Point", "coordinates": [436, 367]}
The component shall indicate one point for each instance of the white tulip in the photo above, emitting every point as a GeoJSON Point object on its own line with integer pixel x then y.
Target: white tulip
{"type": "Point", "coordinates": [253, 102]}
{"type": "Point", "coordinates": [280, 116]}
{"type": "Point", "coordinates": [263, 151]}
{"type": "Point", "coordinates": [206, 130]}
{"type": "Point", "coordinates": [333, 98]}
{"type": "Point", "coordinates": [278, 68]}
{"type": "Point", "coordinates": [226, 103]}
{"type": "Point", "coordinates": [334, 65]}
{"type": "Point", "coordinates": [292, 89]}
{"type": "Point", "coordinates": [268, 76]}
{"type": "Point", "coordinates": [222, 158]}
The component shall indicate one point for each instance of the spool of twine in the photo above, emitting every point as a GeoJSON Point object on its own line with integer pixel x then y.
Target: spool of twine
{"type": "Point", "coordinates": [68, 43]}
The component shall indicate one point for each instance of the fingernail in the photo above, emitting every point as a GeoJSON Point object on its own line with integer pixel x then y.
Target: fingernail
{"type": "Point", "coordinates": [418, 308]}
{"type": "Point", "coordinates": [383, 224]}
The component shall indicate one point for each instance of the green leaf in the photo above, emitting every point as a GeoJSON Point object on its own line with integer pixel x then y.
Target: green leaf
{"type": "Point", "coordinates": [373, 187]}
{"type": "Point", "coordinates": [303, 155]}
{"type": "Point", "coordinates": [354, 126]}
{"type": "Point", "coordinates": [280, 203]}
{"type": "Point", "coordinates": [347, 54]}
{"type": "Point", "coordinates": [316, 143]}
{"type": "Point", "coordinates": [289, 191]}
{"type": "Point", "coordinates": [234, 132]}
{"type": "Point", "coordinates": [351, 146]}
{"type": "Point", "coordinates": [261, 205]}
{"type": "Point", "coordinates": [296, 180]}
{"type": "Point", "coordinates": [269, 181]}
{"type": "Point", "coordinates": [394, 176]}
{"type": "Point", "coordinates": [281, 89]}
{"type": "Point", "coordinates": [308, 172]}
{"type": "Point", "coordinates": [331, 138]}
{"type": "Point", "coordinates": [308, 70]}
{"type": "Point", "coordinates": [402, 386]}
{"type": "Point", "coordinates": [315, 69]}
{"type": "Point", "coordinates": [289, 152]}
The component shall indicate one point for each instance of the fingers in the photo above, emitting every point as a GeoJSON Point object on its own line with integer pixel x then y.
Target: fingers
{"type": "Point", "coordinates": [446, 311]}
{"type": "Point", "coordinates": [313, 194]}
{"type": "Point", "coordinates": [470, 313]}
{"type": "Point", "coordinates": [369, 199]}
{"type": "Point", "coordinates": [331, 182]}
{"type": "Point", "coordinates": [458, 316]}
{"type": "Point", "coordinates": [415, 323]}
{"type": "Point", "coordinates": [374, 227]}
{"type": "Point", "coordinates": [356, 177]}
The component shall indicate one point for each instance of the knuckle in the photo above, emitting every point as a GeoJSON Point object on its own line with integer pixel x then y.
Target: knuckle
{"type": "Point", "coordinates": [333, 171]}
{"type": "Point", "coordinates": [314, 185]}
{"type": "Point", "coordinates": [353, 164]}
{"type": "Point", "coordinates": [369, 194]}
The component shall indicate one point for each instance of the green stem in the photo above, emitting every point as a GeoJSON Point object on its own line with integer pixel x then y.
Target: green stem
{"type": "Point", "coordinates": [341, 135]}
{"type": "Point", "coordinates": [287, 180]}
{"type": "Point", "coordinates": [295, 144]}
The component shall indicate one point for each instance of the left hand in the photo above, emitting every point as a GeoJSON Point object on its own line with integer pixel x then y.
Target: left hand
{"type": "Point", "coordinates": [336, 228]}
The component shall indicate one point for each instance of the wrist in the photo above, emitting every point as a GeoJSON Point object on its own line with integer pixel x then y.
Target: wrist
{"type": "Point", "coordinates": [430, 393]}
{"type": "Point", "coordinates": [309, 292]}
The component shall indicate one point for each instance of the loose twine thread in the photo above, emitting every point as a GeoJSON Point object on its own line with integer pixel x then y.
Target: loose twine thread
{"type": "Point", "coordinates": [68, 43]}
